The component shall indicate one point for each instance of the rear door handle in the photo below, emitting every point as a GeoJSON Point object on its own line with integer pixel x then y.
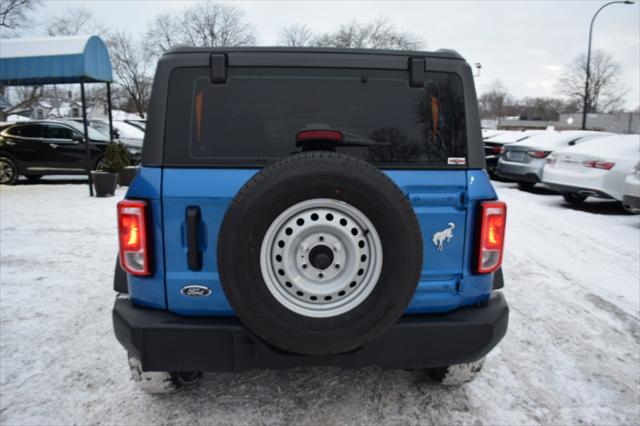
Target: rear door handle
{"type": "Point", "coordinates": [194, 255]}
{"type": "Point", "coordinates": [53, 145]}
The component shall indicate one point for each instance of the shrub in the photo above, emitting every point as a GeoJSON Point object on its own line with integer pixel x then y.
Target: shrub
{"type": "Point", "coordinates": [116, 158]}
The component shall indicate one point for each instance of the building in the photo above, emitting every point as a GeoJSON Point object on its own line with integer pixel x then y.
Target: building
{"type": "Point", "coordinates": [624, 122]}
{"type": "Point", "coordinates": [47, 108]}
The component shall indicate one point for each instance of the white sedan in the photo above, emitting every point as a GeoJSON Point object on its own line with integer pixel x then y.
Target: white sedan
{"type": "Point", "coordinates": [523, 162]}
{"type": "Point", "coordinates": [631, 198]}
{"type": "Point", "coordinates": [596, 168]}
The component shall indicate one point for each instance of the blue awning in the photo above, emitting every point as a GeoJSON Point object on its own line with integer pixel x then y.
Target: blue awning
{"type": "Point", "coordinates": [54, 60]}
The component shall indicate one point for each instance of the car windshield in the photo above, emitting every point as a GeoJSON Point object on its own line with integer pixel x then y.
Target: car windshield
{"type": "Point", "coordinates": [93, 133]}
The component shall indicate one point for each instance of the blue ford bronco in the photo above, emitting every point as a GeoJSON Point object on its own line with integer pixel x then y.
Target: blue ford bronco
{"type": "Point", "coordinates": [310, 207]}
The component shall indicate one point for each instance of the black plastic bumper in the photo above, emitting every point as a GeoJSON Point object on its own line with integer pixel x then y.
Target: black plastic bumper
{"type": "Point", "coordinates": [631, 201]}
{"type": "Point", "coordinates": [527, 177]}
{"type": "Point", "coordinates": [578, 190]}
{"type": "Point", "coordinates": [167, 342]}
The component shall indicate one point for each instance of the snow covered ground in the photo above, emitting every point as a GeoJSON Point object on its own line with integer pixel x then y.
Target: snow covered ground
{"type": "Point", "coordinates": [571, 355]}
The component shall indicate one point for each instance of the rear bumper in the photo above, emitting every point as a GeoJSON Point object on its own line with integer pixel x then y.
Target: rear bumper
{"type": "Point", "coordinates": [521, 172]}
{"type": "Point", "coordinates": [578, 190]}
{"type": "Point", "coordinates": [631, 201]}
{"type": "Point", "coordinates": [163, 341]}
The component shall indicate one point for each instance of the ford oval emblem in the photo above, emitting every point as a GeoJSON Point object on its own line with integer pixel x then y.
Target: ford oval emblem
{"type": "Point", "coordinates": [195, 291]}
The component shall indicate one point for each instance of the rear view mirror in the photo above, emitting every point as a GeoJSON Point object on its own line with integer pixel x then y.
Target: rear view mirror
{"type": "Point", "coordinates": [77, 138]}
{"type": "Point", "coordinates": [115, 134]}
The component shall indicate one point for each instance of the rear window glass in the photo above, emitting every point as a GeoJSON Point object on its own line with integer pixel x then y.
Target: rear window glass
{"type": "Point", "coordinates": [255, 116]}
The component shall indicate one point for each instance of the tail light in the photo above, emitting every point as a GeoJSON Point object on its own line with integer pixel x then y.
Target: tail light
{"type": "Point", "coordinates": [132, 235]}
{"type": "Point", "coordinates": [503, 150]}
{"type": "Point", "coordinates": [497, 150]}
{"type": "Point", "coordinates": [493, 222]}
{"type": "Point", "coordinates": [538, 154]}
{"type": "Point", "coordinates": [606, 165]}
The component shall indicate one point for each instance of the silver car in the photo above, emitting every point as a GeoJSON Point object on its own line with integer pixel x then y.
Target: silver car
{"type": "Point", "coordinates": [523, 162]}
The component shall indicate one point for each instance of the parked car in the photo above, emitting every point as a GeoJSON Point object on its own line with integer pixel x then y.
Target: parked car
{"type": "Point", "coordinates": [493, 145]}
{"type": "Point", "coordinates": [596, 168]}
{"type": "Point", "coordinates": [523, 162]}
{"type": "Point", "coordinates": [130, 136]}
{"type": "Point", "coordinates": [140, 124]}
{"type": "Point", "coordinates": [47, 147]}
{"type": "Point", "coordinates": [340, 231]}
{"type": "Point", "coordinates": [489, 133]}
{"type": "Point", "coordinates": [631, 197]}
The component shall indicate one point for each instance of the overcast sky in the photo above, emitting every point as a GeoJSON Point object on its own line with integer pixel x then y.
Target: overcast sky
{"type": "Point", "coordinates": [526, 44]}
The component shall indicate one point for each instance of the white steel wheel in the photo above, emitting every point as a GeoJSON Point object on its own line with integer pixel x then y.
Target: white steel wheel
{"type": "Point", "coordinates": [321, 258]}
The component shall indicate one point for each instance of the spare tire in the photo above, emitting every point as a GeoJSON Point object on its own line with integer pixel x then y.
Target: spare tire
{"type": "Point", "coordinates": [319, 253]}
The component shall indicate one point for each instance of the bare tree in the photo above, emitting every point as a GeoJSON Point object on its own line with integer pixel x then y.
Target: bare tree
{"type": "Point", "coordinates": [23, 97]}
{"type": "Point", "coordinates": [296, 35]}
{"type": "Point", "coordinates": [13, 14]}
{"type": "Point", "coordinates": [130, 67]}
{"type": "Point", "coordinates": [494, 100]}
{"type": "Point", "coordinates": [74, 20]}
{"type": "Point", "coordinates": [203, 24]}
{"type": "Point", "coordinates": [379, 34]}
{"type": "Point", "coordinates": [605, 92]}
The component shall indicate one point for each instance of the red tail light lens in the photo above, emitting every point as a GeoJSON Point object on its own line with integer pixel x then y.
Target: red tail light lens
{"type": "Point", "coordinates": [319, 135]}
{"type": "Point", "coordinates": [493, 222]}
{"type": "Point", "coordinates": [538, 154]}
{"type": "Point", "coordinates": [132, 235]}
{"type": "Point", "coordinates": [606, 165]}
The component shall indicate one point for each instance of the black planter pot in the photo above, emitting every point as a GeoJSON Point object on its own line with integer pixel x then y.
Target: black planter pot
{"type": "Point", "coordinates": [104, 183]}
{"type": "Point", "coordinates": [127, 175]}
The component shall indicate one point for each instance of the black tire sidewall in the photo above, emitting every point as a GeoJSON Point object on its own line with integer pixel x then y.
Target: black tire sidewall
{"type": "Point", "coordinates": [297, 179]}
{"type": "Point", "coordinates": [13, 165]}
{"type": "Point", "coordinates": [573, 198]}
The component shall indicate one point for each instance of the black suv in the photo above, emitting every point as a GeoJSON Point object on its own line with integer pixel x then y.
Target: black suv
{"type": "Point", "coordinates": [47, 147]}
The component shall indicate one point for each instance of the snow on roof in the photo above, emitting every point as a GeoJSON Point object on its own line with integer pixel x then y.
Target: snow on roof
{"type": "Point", "coordinates": [614, 146]}
{"type": "Point", "coordinates": [54, 60]}
{"type": "Point", "coordinates": [511, 136]}
{"type": "Point", "coordinates": [43, 46]}
{"type": "Point", "coordinates": [551, 140]}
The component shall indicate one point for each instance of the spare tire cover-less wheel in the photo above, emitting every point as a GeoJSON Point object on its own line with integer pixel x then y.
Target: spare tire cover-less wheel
{"type": "Point", "coordinates": [319, 253]}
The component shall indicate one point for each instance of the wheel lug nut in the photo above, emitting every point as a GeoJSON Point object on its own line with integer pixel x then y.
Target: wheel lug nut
{"type": "Point", "coordinates": [336, 248]}
{"type": "Point", "coordinates": [304, 248]}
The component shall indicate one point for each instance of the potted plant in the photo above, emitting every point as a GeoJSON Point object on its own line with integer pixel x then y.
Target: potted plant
{"type": "Point", "coordinates": [105, 180]}
{"type": "Point", "coordinates": [129, 172]}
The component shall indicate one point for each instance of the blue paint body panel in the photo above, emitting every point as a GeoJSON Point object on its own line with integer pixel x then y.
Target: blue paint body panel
{"type": "Point", "coordinates": [150, 291]}
{"type": "Point", "coordinates": [439, 198]}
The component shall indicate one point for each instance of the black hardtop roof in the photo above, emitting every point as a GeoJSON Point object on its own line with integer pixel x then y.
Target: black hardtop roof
{"type": "Point", "coordinates": [440, 53]}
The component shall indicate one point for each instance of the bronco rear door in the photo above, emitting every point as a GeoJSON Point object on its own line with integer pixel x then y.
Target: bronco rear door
{"type": "Point", "coordinates": [228, 119]}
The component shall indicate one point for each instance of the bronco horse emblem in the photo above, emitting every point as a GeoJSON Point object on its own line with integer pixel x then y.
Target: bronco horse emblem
{"type": "Point", "coordinates": [444, 236]}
